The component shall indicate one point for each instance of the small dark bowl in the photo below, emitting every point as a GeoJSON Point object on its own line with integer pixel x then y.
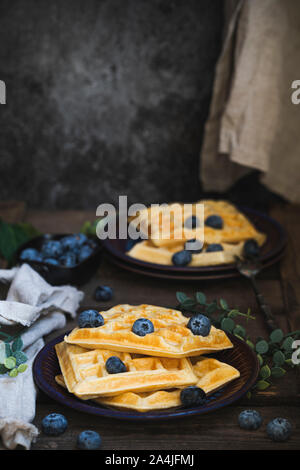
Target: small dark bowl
{"type": "Point", "coordinates": [59, 275]}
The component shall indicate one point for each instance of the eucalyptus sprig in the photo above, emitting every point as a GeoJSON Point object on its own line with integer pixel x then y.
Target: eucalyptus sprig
{"type": "Point", "coordinates": [12, 358]}
{"type": "Point", "coordinates": [273, 353]}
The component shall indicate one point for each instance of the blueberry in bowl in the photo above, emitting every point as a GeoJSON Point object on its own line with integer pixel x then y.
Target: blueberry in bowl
{"type": "Point", "coordinates": [182, 258]}
{"type": "Point", "coordinates": [214, 221]}
{"type": "Point", "coordinates": [62, 258]}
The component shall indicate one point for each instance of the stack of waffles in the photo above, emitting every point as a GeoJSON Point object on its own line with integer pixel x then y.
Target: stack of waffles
{"type": "Point", "coordinates": [158, 365]}
{"type": "Point", "coordinates": [159, 249]}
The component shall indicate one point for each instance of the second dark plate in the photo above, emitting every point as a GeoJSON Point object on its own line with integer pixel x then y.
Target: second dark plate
{"type": "Point", "coordinates": [271, 252]}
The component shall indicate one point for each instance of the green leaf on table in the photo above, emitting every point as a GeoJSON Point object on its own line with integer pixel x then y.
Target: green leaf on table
{"type": "Point", "coordinates": [223, 304]}
{"type": "Point", "coordinates": [22, 368]}
{"type": "Point", "coordinates": [260, 359]}
{"type": "Point", "coordinates": [278, 358]}
{"type": "Point", "coordinates": [201, 298]}
{"type": "Point", "coordinates": [8, 350]}
{"type": "Point", "coordinates": [188, 303]}
{"type": "Point", "coordinates": [10, 362]}
{"type": "Point", "coordinates": [262, 347]}
{"type": "Point", "coordinates": [181, 297]}
{"type": "Point", "coordinates": [265, 372]}
{"type": "Point", "coordinates": [277, 372]}
{"type": "Point", "coordinates": [239, 331]}
{"type": "Point", "coordinates": [3, 369]}
{"type": "Point", "coordinates": [227, 325]}
{"type": "Point", "coordinates": [20, 357]}
{"type": "Point", "coordinates": [12, 236]}
{"type": "Point", "coordinates": [262, 385]}
{"type": "Point", "coordinates": [276, 336]}
{"type": "Point", "coordinates": [17, 344]}
{"type": "Point", "coordinates": [13, 372]}
{"type": "Point", "coordinates": [287, 344]}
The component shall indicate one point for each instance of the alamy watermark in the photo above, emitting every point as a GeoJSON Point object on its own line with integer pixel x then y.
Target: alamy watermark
{"type": "Point", "coordinates": [296, 354]}
{"type": "Point", "coordinates": [295, 96]}
{"type": "Point", "coordinates": [2, 92]}
{"type": "Point", "coordinates": [158, 221]}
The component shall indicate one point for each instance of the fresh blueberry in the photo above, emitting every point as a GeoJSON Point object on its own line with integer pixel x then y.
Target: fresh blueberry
{"type": "Point", "coordinates": [52, 249]}
{"type": "Point", "coordinates": [192, 396]}
{"type": "Point", "coordinates": [85, 252]}
{"type": "Point", "coordinates": [103, 293]}
{"type": "Point", "coordinates": [250, 419]}
{"type": "Point", "coordinates": [214, 221]}
{"type": "Point", "coordinates": [88, 440]}
{"type": "Point", "coordinates": [30, 254]}
{"type": "Point", "coordinates": [69, 242]}
{"type": "Point", "coordinates": [142, 327]}
{"type": "Point", "coordinates": [54, 424]}
{"type": "Point", "coordinates": [191, 222]}
{"type": "Point", "coordinates": [279, 429]}
{"type": "Point", "coordinates": [81, 238]}
{"type": "Point", "coordinates": [51, 261]}
{"type": "Point", "coordinates": [199, 325]}
{"type": "Point", "coordinates": [181, 258]}
{"type": "Point", "coordinates": [68, 260]}
{"type": "Point", "coordinates": [197, 246]}
{"type": "Point", "coordinates": [114, 365]}
{"type": "Point", "coordinates": [251, 248]}
{"type": "Point", "coordinates": [214, 247]}
{"type": "Point", "coordinates": [90, 319]}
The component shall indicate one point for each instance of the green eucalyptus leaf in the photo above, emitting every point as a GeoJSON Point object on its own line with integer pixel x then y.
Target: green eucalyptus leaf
{"type": "Point", "coordinates": [240, 331]}
{"type": "Point", "coordinates": [262, 385]}
{"type": "Point", "coordinates": [13, 373]}
{"type": "Point", "coordinates": [223, 304]}
{"type": "Point", "coordinates": [20, 357]}
{"type": "Point", "coordinates": [287, 344]}
{"type": "Point", "coordinates": [277, 372]}
{"type": "Point", "coordinates": [262, 347]}
{"type": "Point", "coordinates": [227, 325]}
{"type": "Point", "coordinates": [188, 303]}
{"type": "Point", "coordinates": [265, 372]}
{"type": "Point", "coordinates": [276, 336]}
{"type": "Point", "coordinates": [8, 350]}
{"type": "Point", "coordinates": [260, 359]}
{"type": "Point", "coordinates": [201, 298]}
{"type": "Point", "coordinates": [22, 368]}
{"type": "Point", "coordinates": [278, 358]}
{"type": "Point", "coordinates": [17, 344]}
{"type": "Point", "coordinates": [10, 362]}
{"type": "Point", "coordinates": [181, 297]}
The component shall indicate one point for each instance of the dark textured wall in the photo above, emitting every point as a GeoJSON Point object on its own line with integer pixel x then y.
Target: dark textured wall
{"type": "Point", "coordinates": [104, 97]}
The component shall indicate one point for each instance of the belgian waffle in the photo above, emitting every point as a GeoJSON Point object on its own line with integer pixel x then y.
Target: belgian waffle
{"type": "Point", "coordinates": [85, 374]}
{"type": "Point", "coordinates": [211, 375]}
{"type": "Point", "coordinates": [171, 337]}
{"type": "Point", "coordinates": [159, 249]}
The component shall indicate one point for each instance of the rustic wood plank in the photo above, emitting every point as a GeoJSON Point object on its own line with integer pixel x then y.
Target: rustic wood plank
{"type": "Point", "coordinates": [218, 430]}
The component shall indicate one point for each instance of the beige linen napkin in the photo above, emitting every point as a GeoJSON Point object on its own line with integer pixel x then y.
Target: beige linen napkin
{"type": "Point", "coordinates": [253, 123]}
{"type": "Point", "coordinates": [31, 301]}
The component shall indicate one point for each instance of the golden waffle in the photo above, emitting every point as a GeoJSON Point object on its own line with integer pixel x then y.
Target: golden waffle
{"type": "Point", "coordinates": [211, 375]}
{"type": "Point", "coordinates": [159, 249]}
{"type": "Point", "coordinates": [171, 337]}
{"type": "Point", "coordinates": [85, 374]}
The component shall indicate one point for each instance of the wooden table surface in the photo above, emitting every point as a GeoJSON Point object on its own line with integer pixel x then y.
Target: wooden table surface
{"type": "Point", "coordinates": [217, 430]}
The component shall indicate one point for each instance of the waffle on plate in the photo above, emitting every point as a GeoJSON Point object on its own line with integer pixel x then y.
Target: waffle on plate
{"type": "Point", "coordinates": [171, 337]}
{"type": "Point", "coordinates": [159, 248]}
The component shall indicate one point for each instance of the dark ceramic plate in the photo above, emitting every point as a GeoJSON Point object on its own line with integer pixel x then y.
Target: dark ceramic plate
{"type": "Point", "coordinates": [271, 252]}
{"type": "Point", "coordinates": [46, 367]}
{"type": "Point", "coordinates": [60, 275]}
